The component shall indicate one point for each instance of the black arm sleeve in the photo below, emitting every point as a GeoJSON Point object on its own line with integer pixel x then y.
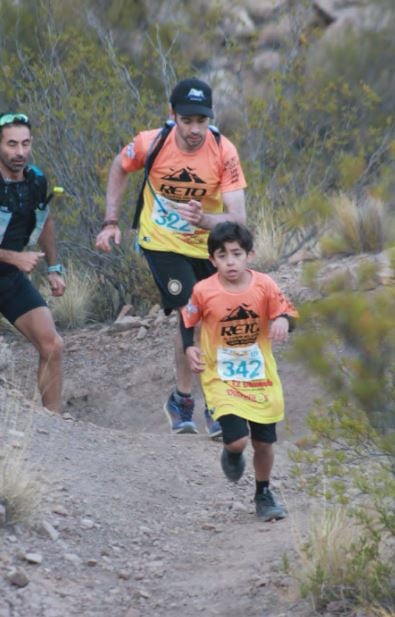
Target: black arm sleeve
{"type": "Point", "coordinates": [291, 321]}
{"type": "Point", "coordinates": [186, 334]}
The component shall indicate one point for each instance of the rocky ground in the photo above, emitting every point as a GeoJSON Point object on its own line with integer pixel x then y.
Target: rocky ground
{"type": "Point", "coordinates": [135, 521]}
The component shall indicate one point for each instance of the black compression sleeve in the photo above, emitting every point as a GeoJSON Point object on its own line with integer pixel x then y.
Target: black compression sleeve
{"type": "Point", "coordinates": [186, 334]}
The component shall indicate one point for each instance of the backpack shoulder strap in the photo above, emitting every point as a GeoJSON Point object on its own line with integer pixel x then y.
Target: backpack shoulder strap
{"type": "Point", "coordinates": [153, 152]}
{"type": "Point", "coordinates": [38, 186]}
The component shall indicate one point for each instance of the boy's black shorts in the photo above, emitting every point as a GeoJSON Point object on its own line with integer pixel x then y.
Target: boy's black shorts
{"type": "Point", "coordinates": [234, 428]}
{"type": "Point", "coordinates": [18, 296]}
{"type": "Point", "coordinates": [175, 276]}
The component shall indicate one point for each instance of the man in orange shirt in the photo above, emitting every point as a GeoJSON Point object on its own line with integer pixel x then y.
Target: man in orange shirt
{"type": "Point", "coordinates": [195, 182]}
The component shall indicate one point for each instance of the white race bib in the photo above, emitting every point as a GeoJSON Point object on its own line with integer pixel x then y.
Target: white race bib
{"type": "Point", "coordinates": [165, 215]}
{"type": "Point", "coordinates": [241, 363]}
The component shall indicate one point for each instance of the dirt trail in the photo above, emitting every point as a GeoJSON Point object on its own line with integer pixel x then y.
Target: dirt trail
{"type": "Point", "coordinates": [139, 522]}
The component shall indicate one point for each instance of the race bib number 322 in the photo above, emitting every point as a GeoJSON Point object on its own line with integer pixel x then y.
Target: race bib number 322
{"type": "Point", "coordinates": [165, 215]}
{"type": "Point", "coordinates": [242, 363]}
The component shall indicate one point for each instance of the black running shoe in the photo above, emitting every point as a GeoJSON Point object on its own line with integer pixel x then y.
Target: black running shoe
{"type": "Point", "coordinates": [267, 508]}
{"type": "Point", "coordinates": [233, 469]}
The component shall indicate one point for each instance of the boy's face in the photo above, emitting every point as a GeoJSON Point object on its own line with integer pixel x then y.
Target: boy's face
{"type": "Point", "coordinates": [231, 261]}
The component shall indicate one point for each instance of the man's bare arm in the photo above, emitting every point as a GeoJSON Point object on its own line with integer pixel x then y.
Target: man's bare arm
{"type": "Point", "coordinates": [25, 262]}
{"type": "Point", "coordinates": [116, 186]}
{"type": "Point", "coordinates": [235, 211]}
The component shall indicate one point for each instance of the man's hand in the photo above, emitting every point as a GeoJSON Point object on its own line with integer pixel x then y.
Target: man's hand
{"type": "Point", "coordinates": [191, 212]}
{"type": "Point", "coordinates": [279, 330]}
{"type": "Point", "coordinates": [26, 261]}
{"type": "Point", "coordinates": [56, 284]}
{"type": "Point", "coordinates": [111, 232]}
{"type": "Point", "coordinates": [195, 360]}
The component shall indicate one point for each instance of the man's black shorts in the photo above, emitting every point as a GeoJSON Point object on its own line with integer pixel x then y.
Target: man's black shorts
{"type": "Point", "coordinates": [175, 276]}
{"type": "Point", "coordinates": [18, 296]}
{"type": "Point", "coordinates": [234, 428]}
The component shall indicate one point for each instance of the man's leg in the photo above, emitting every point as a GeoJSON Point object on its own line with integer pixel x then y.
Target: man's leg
{"type": "Point", "coordinates": [38, 327]}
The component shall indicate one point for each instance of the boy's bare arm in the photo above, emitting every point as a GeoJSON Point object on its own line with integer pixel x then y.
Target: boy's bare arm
{"type": "Point", "coordinates": [195, 359]}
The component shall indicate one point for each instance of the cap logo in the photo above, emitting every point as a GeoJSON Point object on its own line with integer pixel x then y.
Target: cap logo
{"type": "Point", "coordinates": [195, 95]}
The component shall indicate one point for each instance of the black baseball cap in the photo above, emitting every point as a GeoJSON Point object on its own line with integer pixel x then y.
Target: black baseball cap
{"type": "Point", "coordinates": [192, 97]}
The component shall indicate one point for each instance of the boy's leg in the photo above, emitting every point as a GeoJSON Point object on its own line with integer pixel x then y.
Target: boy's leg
{"type": "Point", "coordinates": [235, 439]}
{"type": "Point", "coordinates": [262, 438]}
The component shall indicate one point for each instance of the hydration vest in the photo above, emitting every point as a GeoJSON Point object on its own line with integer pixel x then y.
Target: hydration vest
{"type": "Point", "coordinates": [37, 185]}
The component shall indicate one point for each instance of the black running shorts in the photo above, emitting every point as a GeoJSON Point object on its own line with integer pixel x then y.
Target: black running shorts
{"type": "Point", "coordinates": [18, 296]}
{"type": "Point", "coordinates": [234, 428]}
{"type": "Point", "coordinates": [175, 276]}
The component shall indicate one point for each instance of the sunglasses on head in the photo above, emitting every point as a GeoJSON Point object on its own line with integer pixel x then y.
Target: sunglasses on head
{"type": "Point", "coordinates": [10, 118]}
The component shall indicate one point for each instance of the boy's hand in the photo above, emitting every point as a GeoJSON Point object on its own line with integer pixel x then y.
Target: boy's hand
{"type": "Point", "coordinates": [279, 330]}
{"type": "Point", "coordinates": [195, 360]}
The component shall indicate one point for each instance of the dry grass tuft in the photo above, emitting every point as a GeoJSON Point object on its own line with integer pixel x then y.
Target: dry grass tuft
{"type": "Point", "coordinates": [268, 243]}
{"type": "Point", "coordinates": [332, 564]}
{"type": "Point", "coordinates": [73, 309]}
{"type": "Point", "coordinates": [356, 227]}
{"type": "Point", "coordinates": [20, 487]}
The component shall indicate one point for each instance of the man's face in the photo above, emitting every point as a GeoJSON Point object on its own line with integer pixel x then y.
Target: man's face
{"type": "Point", "coordinates": [15, 149]}
{"type": "Point", "coordinates": [191, 131]}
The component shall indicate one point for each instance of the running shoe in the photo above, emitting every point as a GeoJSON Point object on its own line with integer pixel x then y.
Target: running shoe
{"type": "Point", "coordinates": [232, 466]}
{"type": "Point", "coordinates": [213, 427]}
{"type": "Point", "coordinates": [267, 508]}
{"type": "Point", "coordinates": [179, 410]}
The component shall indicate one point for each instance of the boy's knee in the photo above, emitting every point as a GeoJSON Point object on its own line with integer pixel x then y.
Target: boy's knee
{"type": "Point", "coordinates": [238, 445]}
{"type": "Point", "coordinates": [261, 446]}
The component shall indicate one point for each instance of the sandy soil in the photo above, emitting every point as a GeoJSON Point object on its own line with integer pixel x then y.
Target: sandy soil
{"type": "Point", "coordinates": [136, 522]}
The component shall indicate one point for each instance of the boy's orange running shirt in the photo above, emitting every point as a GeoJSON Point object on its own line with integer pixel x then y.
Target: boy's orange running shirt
{"type": "Point", "coordinates": [240, 375]}
{"type": "Point", "coordinates": [177, 177]}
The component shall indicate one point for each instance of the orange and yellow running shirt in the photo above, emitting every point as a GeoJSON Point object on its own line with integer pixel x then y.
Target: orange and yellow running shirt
{"type": "Point", "coordinates": [177, 176]}
{"type": "Point", "coordinates": [240, 375]}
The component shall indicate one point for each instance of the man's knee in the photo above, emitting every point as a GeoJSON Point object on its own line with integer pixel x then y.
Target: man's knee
{"type": "Point", "coordinates": [51, 346]}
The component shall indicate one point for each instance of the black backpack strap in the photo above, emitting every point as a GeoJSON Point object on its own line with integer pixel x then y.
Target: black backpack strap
{"type": "Point", "coordinates": [38, 186]}
{"type": "Point", "coordinates": [153, 152]}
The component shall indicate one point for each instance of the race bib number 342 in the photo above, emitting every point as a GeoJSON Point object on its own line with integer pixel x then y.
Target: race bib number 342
{"type": "Point", "coordinates": [242, 363]}
{"type": "Point", "coordinates": [165, 215]}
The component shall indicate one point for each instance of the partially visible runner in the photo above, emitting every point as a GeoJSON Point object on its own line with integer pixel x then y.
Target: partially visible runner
{"type": "Point", "coordinates": [195, 182]}
{"type": "Point", "coordinates": [24, 219]}
{"type": "Point", "coordinates": [242, 312]}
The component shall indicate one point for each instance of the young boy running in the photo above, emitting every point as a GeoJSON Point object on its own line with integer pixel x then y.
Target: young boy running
{"type": "Point", "coordinates": [242, 312]}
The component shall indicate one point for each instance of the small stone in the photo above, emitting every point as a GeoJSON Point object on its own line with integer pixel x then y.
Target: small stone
{"type": "Point", "coordinates": [18, 578]}
{"type": "Point", "coordinates": [91, 563]}
{"type": "Point", "coordinates": [50, 530]}
{"type": "Point", "coordinates": [3, 515]}
{"type": "Point", "coordinates": [35, 558]}
{"type": "Point", "coordinates": [124, 575]}
{"type": "Point", "coordinates": [60, 510]}
{"type": "Point", "coordinates": [133, 612]}
{"type": "Point", "coordinates": [87, 523]}
{"type": "Point", "coordinates": [73, 558]}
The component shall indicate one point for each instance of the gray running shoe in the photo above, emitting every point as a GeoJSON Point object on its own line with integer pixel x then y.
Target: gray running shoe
{"type": "Point", "coordinates": [213, 427]}
{"type": "Point", "coordinates": [267, 508]}
{"type": "Point", "coordinates": [232, 469]}
{"type": "Point", "coordinates": [179, 413]}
